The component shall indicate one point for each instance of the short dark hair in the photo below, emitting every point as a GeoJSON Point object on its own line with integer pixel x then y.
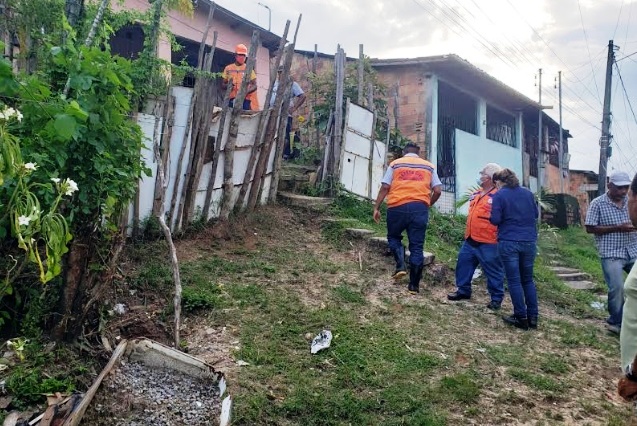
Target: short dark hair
{"type": "Point", "coordinates": [411, 147]}
{"type": "Point", "coordinates": [633, 185]}
{"type": "Point", "coordinates": [507, 177]}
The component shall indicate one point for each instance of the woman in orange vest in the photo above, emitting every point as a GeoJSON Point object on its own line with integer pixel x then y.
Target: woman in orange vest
{"type": "Point", "coordinates": [233, 74]}
{"type": "Point", "coordinates": [480, 245]}
{"type": "Point", "coordinates": [411, 186]}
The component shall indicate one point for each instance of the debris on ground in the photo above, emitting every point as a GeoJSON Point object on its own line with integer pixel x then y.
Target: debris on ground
{"type": "Point", "coordinates": [322, 341]}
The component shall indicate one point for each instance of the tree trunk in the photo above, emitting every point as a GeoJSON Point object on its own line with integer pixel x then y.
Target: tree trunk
{"type": "Point", "coordinates": [74, 9]}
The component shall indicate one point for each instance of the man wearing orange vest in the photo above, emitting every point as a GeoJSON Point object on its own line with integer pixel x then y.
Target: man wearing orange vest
{"type": "Point", "coordinates": [233, 74]}
{"type": "Point", "coordinates": [411, 186]}
{"type": "Point", "coordinates": [480, 244]}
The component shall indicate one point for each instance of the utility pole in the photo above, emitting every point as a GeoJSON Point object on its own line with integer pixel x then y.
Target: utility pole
{"type": "Point", "coordinates": [539, 147]}
{"type": "Point", "coordinates": [560, 155]}
{"type": "Point", "coordinates": [604, 142]}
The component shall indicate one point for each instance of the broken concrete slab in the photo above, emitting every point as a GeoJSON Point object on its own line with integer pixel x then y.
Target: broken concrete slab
{"type": "Point", "coordinates": [381, 244]}
{"type": "Point", "coordinates": [581, 285]}
{"type": "Point", "coordinates": [574, 276]}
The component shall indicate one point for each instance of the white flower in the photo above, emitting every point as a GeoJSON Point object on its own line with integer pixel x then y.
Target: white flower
{"type": "Point", "coordinates": [9, 112]}
{"type": "Point", "coordinates": [2, 117]}
{"type": "Point", "coordinates": [18, 115]}
{"type": "Point", "coordinates": [24, 220]}
{"type": "Point", "coordinates": [56, 180]}
{"type": "Point", "coordinates": [70, 187]}
{"type": "Point", "coordinates": [31, 166]}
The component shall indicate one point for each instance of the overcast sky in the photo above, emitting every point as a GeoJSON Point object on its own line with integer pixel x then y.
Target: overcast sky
{"type": "Point", "coordinates": [509, 39]}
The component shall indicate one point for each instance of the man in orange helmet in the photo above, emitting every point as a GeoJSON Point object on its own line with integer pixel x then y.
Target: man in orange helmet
{"type": "Point", "coordinates": [233, 74]}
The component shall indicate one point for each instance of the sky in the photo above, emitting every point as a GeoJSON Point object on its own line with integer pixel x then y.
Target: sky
{"type": "Point", "coordinates": [509, 39]}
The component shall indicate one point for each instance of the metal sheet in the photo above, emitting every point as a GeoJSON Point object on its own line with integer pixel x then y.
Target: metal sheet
{"type": "Point", "coordinates": [360, 120]}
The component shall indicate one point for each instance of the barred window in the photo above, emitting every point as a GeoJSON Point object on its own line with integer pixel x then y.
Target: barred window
{"type": "Point", "coordinates": [501, 127]}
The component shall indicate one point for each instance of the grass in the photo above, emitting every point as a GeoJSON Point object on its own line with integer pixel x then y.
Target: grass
{"type": "Point", "coordinates": [395, 359]}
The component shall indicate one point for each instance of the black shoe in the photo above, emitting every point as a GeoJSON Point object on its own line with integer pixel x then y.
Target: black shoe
{"type": "Point", "coordinates": [493, 305]}
{"type": "Point", "coordinates": [457, 296]}
{"type": "Point", "coordinates": [415, 274]}
{"type": "Point", "coordinates": [521, 323]}
{"type": "Point", "coordinates": [532, 322]}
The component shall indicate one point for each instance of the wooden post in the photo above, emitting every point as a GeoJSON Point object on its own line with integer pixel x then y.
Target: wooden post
{"type": "Point", "coordinates": [326, 154]}
{"type": "Point", "coordinates": [164, 147]}
{"type": "Point", "coordinates": [361, 75]}
{"type": "Point", "coordinates": [257, 152]}
{"type": "Point", "coordinates": [174, 261]}
{"type": "Point", "coordinates": [338, 113]}
{"type": "Point", "coordinates": [228, 164]}
{"type": "Point", "coordinates": [396, 105]}
{"type": "Point", "coordinates": [315, 102]}
{"type": "Point", "coordinates": [202, 45]}
{"type": "Point", "coordinates": [200, 134]}
{"type": "Point", "coordinates": [284, 91]}
{"type": "Point", "coordinates": [278, 153]}
{"type": "Point", "coordinates": [370, 97]}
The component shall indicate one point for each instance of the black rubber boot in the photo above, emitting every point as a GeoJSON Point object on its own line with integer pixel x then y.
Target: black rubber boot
{"type": "Point", "coordinates": [517, 322]}
{"type": "Point", "coordinates": [532, 322]}
{"type": "Point", "coordinates": [415, 274]}
{"type": "Point", "coordinates": [399, 257]}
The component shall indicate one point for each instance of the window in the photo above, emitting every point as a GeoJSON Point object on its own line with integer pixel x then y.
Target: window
{"type": "Point", "coordinates": [501, 127]}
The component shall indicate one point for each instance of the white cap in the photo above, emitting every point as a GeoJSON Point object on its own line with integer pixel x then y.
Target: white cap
{"type": "Point", "coordinates": [620, 179]}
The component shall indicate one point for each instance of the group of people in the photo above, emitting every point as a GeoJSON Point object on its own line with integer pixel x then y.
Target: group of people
{"type": "Point", "coordinates": [501, 231]}
{"type": "Point", "coordinates": [233, 75]}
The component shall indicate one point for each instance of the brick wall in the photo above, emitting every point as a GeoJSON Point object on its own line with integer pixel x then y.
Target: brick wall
{"type": "Point", "coordinates": [577, 185]}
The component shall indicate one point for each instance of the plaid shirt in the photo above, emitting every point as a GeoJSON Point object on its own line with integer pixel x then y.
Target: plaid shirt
{"type": "Point", "coordinates": [619, 245]}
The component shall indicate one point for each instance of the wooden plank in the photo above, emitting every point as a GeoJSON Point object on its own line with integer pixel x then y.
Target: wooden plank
{"type": "Point", "coordinates": [75, 417]}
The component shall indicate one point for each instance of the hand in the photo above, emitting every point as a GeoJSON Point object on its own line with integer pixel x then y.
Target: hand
{"type": "Point", "coordinates": [376, 215]}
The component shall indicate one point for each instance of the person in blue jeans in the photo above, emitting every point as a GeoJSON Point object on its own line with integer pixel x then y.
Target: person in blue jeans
{"type": "Point", "coordinates": [480, 244]}
{"type": "Point", "coordinates": [411, 186]}
{"type": "Point", "coordinates": [607, 218]}
{"type": "Point", "coordinates": [515, 212]}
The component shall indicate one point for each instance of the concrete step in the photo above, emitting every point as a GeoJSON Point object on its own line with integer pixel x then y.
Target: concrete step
{"type": "Point", "coordinates": [311, 203]}
{"type": "Point", "coordinates": [574, 276]}
{"type": "Point", "coordinates": [358, 232]}
{"type": "Point", "coordinates": [581, 285]}
{"type": "Point", "coordinates": [563, 270]}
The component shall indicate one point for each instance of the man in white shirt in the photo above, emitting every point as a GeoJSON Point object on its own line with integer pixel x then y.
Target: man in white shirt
{"type": "Point", "coordinates": [297, 99]}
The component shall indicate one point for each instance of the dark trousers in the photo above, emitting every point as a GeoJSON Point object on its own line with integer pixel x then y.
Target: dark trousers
{"type": "Point", "coordinates": [518, 258]}
{"type": "Point", "coordinates": [485, 255]}
{"type": "Point", "coordinates": [412, 217]}
{"type": "Point", "coordinates": [287, 151]}
{"type": "Point", "coordinates": [246, 104]}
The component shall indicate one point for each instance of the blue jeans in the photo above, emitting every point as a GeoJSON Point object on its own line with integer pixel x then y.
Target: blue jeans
{"type": "Point", "coordinates": [412, 217]}
{"type": "Point", "coordinates": [517, 258]}
{"type": "Point", "coordinates": [485, 255]}
{"type": "Point", "coordinates": [614, 269]}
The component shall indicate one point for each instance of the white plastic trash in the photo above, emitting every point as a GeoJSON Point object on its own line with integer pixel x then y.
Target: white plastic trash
{"type": "Point", "coordinates": [321, 341]}
{"type": "Point", "coordinates": [476, 274]}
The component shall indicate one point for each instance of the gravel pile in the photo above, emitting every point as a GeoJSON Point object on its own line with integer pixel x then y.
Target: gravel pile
{"type": "Point", "coordinates": [137, 395]}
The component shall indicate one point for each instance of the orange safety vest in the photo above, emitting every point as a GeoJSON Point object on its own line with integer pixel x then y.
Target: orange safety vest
{"type": "Point", "coordinates": [478, 226]}
{"type": "Point", "coordinates": [411, 181]}
{"type": "Point", "coordinates": [235, 73]}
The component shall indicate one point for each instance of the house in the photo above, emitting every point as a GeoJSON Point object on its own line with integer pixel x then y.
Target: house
{"type": "Point", "coordinates": [188, 31]}
{"type": "Point", "coordinates": [473, 119]}
{"type": "Point", "coordinates": [583, 185]}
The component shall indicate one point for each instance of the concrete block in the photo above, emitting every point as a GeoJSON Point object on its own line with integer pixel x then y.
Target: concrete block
{"type": "Point", "coordinates": [574, 276]}
{"type": "Point", "coordinates": [581, 285]}
{"type": "Point", "coordinates": [358, 232]}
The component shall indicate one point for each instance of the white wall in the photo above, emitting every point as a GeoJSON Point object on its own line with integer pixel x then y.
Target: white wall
{"type": "Point", "coordinates": [247, 127]}
{"type": "Point", "coordinates": [473, 152]}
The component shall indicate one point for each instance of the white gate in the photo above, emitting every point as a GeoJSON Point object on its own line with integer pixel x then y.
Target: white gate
{"type": "Point", "coordinates": [362, 158]}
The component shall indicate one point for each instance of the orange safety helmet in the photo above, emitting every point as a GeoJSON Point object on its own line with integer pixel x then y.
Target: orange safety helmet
{"type": "Point", "coordinates": [241, 49]}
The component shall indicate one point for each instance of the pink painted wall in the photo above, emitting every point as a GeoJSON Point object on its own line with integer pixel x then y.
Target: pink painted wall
{"type": "Point", "coordinates": [193, 28]}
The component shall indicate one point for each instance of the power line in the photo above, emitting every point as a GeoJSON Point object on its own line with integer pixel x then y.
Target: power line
{"type": "Point", "coordinates": [581, 17]}
{"type": "Point", "coordinates": [626, 93]}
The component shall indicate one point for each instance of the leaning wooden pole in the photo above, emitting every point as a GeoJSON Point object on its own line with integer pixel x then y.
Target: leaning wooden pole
{"type": "Point", "coordinates": [174, 261]}
{"type": "Point", "coordinates": [338, 114]}
{"type": "Point", "coordinates": [217, 152]}
{"type": "Point", "coordinates": [361, 75]}
{"type": "Point", "coordinates": [257, 153]}
{"type": "Point", "coordinates": [228, 163]}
